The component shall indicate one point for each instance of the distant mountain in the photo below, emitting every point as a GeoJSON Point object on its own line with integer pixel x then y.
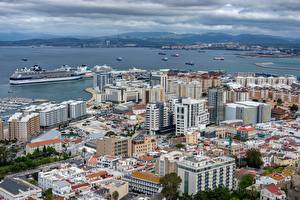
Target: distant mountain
{"type": "Point", "coordinates": [15, 36]}
{"type": "Point", "coordinates": [146, 39]}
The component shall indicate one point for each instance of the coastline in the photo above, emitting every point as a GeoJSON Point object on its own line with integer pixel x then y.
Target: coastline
{"type": "Point", "coordinates": [93, 93]}
{"type": "Point", "coordinates": [269, 66]}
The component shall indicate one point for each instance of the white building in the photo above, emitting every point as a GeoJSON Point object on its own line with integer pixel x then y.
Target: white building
{"type": "Point", "coordinates": [76, 109]}
{"type": "Point", "coordinates": [199, 173]}
{"type": "Point", "coordinates": [102, 76]}
{"type": "Point", "coordinates": [272, 192]}
{"type": "Point", "coordinates": [190, 113]}
{"type": "Point", "coordinates": [62, 188]}
{"type": "Point", "coordinates": [158, 117]}
{"type": "Point", "coordinates": [47, 179]}
{"type": "Point", "coordinates": [265, 81]}
{"type": "Point", "coordinates": [18, 189]}
{"type": "Point", "coordinates": [144, 182]}
{"type": "Point", "coordinates": [250, 112]}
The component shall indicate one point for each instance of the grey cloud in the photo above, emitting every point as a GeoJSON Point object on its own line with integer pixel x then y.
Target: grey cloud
{"type": "Point", "coordinates": [98, 17]}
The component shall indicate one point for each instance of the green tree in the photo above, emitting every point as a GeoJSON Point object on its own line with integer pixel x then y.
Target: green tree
{"type": "Point", "coordinates": [115, 195]}
{"type": "Point", "coordinates": [179, 146]}
{"type": "Point", "coordinates": [253, 158]}
{"type": "Point", "coordinates": [48, 194]}
{"type": "Point", "coordinates": [246, 181]}
{"type": "Point", "coordinates": [170, 184]}
{"type": "Point", "coordinates": [44, 150]}
{"type": "Point", "coordinates": [4, 154]}
{"type": "Point", "coordinates": [279, 102]}
{"type": "Point", "coordinates": [294, 108]}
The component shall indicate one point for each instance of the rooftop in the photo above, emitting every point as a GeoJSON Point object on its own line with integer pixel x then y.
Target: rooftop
{"type": "Point", "coordinates": [146, 176]}
{"type": "Point", "coordinates": [16, 186]}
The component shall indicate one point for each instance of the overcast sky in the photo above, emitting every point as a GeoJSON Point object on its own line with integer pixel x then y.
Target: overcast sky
{"type": "Point", "coordinates": [106, 17]}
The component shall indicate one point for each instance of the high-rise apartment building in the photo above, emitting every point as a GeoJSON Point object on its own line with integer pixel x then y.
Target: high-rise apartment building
{"type": "Point", "coordinates": [199, 173]}
{"type": "Point", "coordinates": [250, 112]}
{"type": "Point", "coordinates": [23, 126]}
{"type": "Point", "coordinates": [190, 113]}
{"type": "Point", "coordinates": [114, 146]}
{"type": "Point", "coordinates": [102, 76]}
{"type": "Point", "coordinates": [158, 118]}
{"type": "Point", "coordinates": [153, 94]}
{"type": "Point", "coordinates": [216, 105]}
{"type": "Point", "coordinates": [76, 109]}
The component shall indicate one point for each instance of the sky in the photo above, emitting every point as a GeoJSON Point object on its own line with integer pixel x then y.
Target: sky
{"type": "Point", "coordinates": [108, 17]}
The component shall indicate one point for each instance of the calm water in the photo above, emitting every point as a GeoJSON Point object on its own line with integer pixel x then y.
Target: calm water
{"type": "Point", "coordinates": [52, 57]}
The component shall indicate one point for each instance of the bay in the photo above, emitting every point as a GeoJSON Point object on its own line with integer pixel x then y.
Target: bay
{"type": "Point", "coordinates": [145, 58]}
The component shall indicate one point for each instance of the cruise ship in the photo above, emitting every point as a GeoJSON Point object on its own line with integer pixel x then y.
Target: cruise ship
{"type": "Point", "coordinates": [36, 74]}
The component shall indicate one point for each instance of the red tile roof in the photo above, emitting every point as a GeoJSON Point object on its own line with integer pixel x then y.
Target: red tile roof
{"type": "Point", "coordinates": [274, 189]}
{"type": "Point", "coordinates": [75, 187]}
{"type": "Point", "coordinates": [44, 143]}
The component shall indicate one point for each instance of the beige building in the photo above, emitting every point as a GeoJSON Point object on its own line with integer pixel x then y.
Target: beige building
{"type": "Point", "coordinates": [114, 146]}
{"type": "Point", "coordinates": [142, 144]}
{"type": "Point", "coordinates": [153, 94]}
{"type": "Point", "coordinates": [191, 138]}
{"type": "Point", "coordinates": [167, 163]}
{"type": "Point", "coordinates": [23, 126]}
{"type": "Point", "coordinates": [117, 185]}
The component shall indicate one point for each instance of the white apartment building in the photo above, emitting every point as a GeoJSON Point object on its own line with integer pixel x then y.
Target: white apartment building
{"type": "Point", "coordinates": [199, 173]}
{"type": "Point", "coordinates": [263, 81]}
{"type": "Point", "coordinates": [249, 111]}
{"type": "Point", "coordinates": [47, 179]}
{"type": "Point", "coordinates": [76, 109]}
{"type": "Point", "coordinates": [190, 113]}
{"type": "Point", "coordinates": [53, 114]}
{"type": "Point", "coordinates": [158, 117]}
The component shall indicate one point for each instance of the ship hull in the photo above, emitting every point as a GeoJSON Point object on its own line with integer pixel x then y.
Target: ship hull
{"type": "Point", "coordinates": [44, 80]}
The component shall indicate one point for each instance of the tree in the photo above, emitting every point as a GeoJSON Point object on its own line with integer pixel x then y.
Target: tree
{"type": "Point", "coordinates": [179, 146]}
{"type": "Point", "coordinates": [246, 181]}
{"type": "Point", "coordinates": [170, 184]}
{"type": "Point", "coordinates": [294, 108]}
{"type": "Point", "coordinates": [4, 154]}
{"type": "Point", "coordinates": [115, 195]}
{"type": "Point", "coordinates": [48, 194]}
{"type": "Point", "coordinates": [253, 158]}
{"type": "Point", "coordinates": [279, 102]}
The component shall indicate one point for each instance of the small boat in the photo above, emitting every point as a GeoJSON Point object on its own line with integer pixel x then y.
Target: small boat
{"type": "Point", "coordinates": [190, 63]}
{"type": "Point", "coordinates": [119, 59]}
{"type": "Point", "coordinates": [165, 59]}
{"type": "Point", "coordinates": [219, 58]}
{"type": "Point", "coordinates": [24, 59]}
{"type": "Point", "coordinates": [162, 53]}
{"type": "Point", "coordinates": [201, 51]}
{"type": "Point", "coordinates": [175, 55]}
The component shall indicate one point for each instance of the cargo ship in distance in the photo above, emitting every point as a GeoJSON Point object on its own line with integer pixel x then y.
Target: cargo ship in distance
{"type": "Point", "coordinates": [36, 75]}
